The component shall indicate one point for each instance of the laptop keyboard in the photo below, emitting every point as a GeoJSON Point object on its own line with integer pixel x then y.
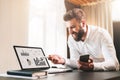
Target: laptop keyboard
{"type": "Point", "coordinates": [58, 70]}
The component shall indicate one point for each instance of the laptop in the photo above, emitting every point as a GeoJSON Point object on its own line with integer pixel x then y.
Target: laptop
{"type": "Point", "coordinates": [33, 58]}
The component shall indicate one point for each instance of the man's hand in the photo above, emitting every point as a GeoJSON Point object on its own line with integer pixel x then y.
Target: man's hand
{"type": "Point", "coordinates": [56, 59]}
{"type": "Point", "coordinates": [86, 66]}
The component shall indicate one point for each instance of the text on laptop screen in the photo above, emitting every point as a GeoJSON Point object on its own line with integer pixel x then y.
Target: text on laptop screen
{"type": "Point", "coordinates": [30, 57]}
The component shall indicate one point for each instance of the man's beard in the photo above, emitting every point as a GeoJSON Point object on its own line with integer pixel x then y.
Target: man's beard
{"type": "Point", "coordinates": [78, 35]}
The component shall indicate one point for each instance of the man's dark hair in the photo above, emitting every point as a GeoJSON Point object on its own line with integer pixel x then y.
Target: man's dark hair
{"type": "Point", "coordinates": [76, 13]}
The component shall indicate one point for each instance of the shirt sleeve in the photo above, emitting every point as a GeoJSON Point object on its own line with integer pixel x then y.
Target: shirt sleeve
{"type": "Point", "coordinates": [74, 55]}
{"type": "Point", "coordinates": [109, 53]}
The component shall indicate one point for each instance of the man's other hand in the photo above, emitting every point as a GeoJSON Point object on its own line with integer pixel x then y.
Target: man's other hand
{"type": "Point", "coordinates": [56, 59]}
{"type": "Point", "coordinates": [86, 66]}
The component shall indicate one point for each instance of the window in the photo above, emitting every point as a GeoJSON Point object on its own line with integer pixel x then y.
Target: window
{"type": "Point", "coordinates": [116, 26]}
{"type": "Point", "coordinates": [115, 11]}
{"type": "Point", "coordinates": [46, 26]}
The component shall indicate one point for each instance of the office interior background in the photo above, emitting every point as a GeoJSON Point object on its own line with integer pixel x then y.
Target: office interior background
{"type": "Point", "coordinates": [40, 23]}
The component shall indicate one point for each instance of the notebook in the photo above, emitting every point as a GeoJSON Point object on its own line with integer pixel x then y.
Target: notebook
{"type": "Point", "coordinates": [33, 58]}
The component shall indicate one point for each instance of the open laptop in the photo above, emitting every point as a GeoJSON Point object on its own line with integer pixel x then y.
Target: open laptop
{"type": "Point", "coordinates": [33, 58]}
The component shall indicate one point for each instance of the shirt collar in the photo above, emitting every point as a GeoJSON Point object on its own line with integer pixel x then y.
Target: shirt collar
{"type": "Point", "coordinates": [88, 33]}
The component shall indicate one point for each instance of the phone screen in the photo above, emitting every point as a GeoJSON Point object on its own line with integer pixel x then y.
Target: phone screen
{"type": "Point", "coordinates": [84, 58]}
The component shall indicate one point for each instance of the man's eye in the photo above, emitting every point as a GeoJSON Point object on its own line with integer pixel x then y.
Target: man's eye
{"type": "Point", "coordinates": [72, 26]}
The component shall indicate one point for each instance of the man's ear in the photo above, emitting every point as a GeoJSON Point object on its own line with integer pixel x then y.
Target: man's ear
{"type": "Point", "coordinates": [83, 22]}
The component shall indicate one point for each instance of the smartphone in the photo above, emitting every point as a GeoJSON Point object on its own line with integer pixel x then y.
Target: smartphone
{"type": "Point", "coordinates": [84, 58]}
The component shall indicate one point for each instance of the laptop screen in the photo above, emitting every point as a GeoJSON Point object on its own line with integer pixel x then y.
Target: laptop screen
{"type": "Point", "coordinates": [31, 57]}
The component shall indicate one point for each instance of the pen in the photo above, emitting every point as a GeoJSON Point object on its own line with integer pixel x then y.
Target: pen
{"type": "Point", "coordinates": [53, 66]}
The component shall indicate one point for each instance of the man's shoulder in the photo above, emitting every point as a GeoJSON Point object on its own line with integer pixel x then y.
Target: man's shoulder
{"type": "Point", "coordinates": [97, 29]}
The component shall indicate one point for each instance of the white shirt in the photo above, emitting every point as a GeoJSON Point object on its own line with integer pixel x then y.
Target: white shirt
{"type": "Point", "coordinates": [99, 45]}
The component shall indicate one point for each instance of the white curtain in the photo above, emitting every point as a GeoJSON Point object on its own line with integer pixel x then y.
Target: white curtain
{"type": "Point", "coordinates": [99, 14]}
{"type": "Point", "coordinates": [47, 29]}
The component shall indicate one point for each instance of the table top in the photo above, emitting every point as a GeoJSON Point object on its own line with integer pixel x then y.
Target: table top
{"type": "Point", "coordinates": [76, 75]}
